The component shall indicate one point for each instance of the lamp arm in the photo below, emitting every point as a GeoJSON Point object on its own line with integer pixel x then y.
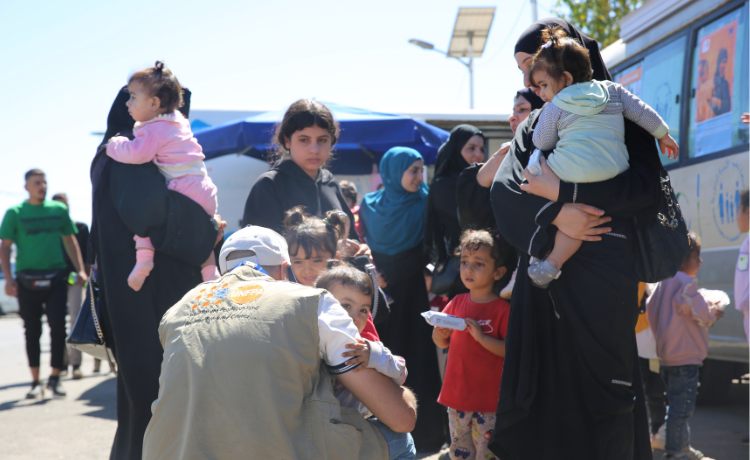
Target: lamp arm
{"type": "Point", "coordinates": [445, 53]}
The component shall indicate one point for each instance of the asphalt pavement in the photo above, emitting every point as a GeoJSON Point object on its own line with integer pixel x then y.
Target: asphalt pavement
{"type": "Point", "coordinates": [82, 425]}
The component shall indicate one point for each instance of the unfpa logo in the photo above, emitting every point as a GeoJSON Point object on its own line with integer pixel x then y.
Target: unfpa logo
{"type": "Point", "coordinates": [246, 294]}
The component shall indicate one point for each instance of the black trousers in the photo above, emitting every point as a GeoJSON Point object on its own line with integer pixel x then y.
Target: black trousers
{"type": "Point", "coordinates": [31, 306]}
{"type": "Point", "coordinates": [656, 399]}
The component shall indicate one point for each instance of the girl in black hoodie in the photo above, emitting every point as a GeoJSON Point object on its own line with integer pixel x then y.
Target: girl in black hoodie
{"type": "Point", "coordinates": [304, 142]}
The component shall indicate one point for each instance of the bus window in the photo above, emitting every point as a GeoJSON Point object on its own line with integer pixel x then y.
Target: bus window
{"type": "Point", "coordinates": [657, 80]}
{"type": "Point", "coordinates": [719, 92]}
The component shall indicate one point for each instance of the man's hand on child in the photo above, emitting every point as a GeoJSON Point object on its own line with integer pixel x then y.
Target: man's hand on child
{"type": "Point", "coordinates": [361, 354]}
{"type": "Point", "coordinates": [668, 145]}
{"type": "Point", "coordinates": [443, 332]}
{"type": "Point", "coordinates": [474, 329]}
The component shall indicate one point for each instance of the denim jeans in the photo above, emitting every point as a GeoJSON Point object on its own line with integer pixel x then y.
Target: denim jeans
{"type": "Point", "coordinates": [682, 388]}
{"type": "Point", "coordinates": [400, 445]}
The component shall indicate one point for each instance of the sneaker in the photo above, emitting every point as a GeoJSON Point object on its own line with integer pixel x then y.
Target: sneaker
{"type": "Point", "coordinates": [37, 390]}
{"type": "Point", "coordinates": [508, 290]}
{"type": "Point", "coordinates": [688, 453]}
{"type": "Point", "coordinates": [543, 273]}
{"type": "Point", "coordinates": [55, 385]}
{"type": "Point", "coordinates": [659, 439]}
{"type": "Point", "coordinates": [63, 372]}
{"type": "Point", "coordinates": [77, 373]}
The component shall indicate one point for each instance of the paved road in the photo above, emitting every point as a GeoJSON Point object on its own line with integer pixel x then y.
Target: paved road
{"type": "Point", "coordinates": [82, 425]}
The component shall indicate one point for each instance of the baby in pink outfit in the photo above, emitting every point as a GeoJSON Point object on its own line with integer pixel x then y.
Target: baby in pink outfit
{"type": "Point", "coordinates": [163, 135]}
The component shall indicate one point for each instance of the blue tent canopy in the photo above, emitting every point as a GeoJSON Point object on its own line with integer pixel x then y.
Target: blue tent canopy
{"type": "Point", "coordinates": [365, 137]}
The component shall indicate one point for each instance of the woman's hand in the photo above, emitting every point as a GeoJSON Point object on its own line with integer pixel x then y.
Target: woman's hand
{"type": "Point", "coordinates": [222, 224]}
{"type": "Point", "coordinates": [546, 185]}
{"type": "Point", "coordinates": [361, 353]}
{"type": "Point", "coordinates": [475, 329]}
{"type": "Point", "coordinates": [581, 221]}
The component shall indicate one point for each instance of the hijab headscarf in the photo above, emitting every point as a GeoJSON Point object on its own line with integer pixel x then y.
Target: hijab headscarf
{"type": "Point", "coordinates": [531, 39]}
{"type": "Point", "coordinates": [394, 217]}
{"type": "Point", "coordinates": [449, 159]}
{"type": "Point", "coordinates": [529, 94]}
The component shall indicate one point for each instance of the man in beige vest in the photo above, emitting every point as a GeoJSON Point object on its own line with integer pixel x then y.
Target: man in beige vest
{"type": "Point", "coordinates": [247, 369]}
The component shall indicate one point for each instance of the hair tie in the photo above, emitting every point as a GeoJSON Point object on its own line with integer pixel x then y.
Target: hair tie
{"type": "Point", "coordinates": [547, 45]}
{"type": "Point", "coordinates": [159, 66]}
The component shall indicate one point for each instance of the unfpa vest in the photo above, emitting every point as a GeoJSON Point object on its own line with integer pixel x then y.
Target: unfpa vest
{"type": "Point", "coordinates": [242, 378]}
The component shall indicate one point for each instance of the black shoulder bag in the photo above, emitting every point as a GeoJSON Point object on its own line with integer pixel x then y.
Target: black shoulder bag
{"type": "Point", "coordinates": [661, 247]}
{"type": "Point", "coordinates": [87, 334]}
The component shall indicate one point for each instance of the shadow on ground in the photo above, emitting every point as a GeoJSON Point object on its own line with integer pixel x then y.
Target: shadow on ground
{"type": "Point", "coordinates": [104, 398]}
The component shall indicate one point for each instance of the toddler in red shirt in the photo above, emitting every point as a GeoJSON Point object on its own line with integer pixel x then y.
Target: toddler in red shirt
{"type": "Point", "coordinates": [475, 357]}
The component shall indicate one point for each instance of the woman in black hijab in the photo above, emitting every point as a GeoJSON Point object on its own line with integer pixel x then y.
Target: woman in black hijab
{"type": "Point", "coordinates": [571, 386]}
{"type": "Point", "coordinates": [464, 147]}
{"type": "Point", "coordinates": [133, 199]}
{"type": "Point", "coordinates": [474, 182]}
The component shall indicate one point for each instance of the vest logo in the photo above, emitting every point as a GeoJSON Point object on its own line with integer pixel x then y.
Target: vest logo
{"type": "Point", "coordinates": [246, 294]}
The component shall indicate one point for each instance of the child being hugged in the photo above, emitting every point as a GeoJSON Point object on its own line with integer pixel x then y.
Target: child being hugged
{"type": "Point", "coordinates": [475, 357]}
{"type": "Point", "coordinates": [582, 123]}
{"type": "Point", "coordinates": [354, 291]}
{"type": "Point", "coordinates": [163, 135]}
{"type": "Point", "coordinates": [679, 315]}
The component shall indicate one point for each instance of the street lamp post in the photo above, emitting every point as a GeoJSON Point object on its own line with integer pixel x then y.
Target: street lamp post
{"type": "Point", "coordinates": [469, 65]}
{"type": "Point", "coordinates": [469, 37]}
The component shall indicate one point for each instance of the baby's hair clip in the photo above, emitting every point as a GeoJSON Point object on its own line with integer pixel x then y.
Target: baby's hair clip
{"type": "Point", "coordinates": [325, 221]}
{"type": "Point", "coordinates": [547, 45]}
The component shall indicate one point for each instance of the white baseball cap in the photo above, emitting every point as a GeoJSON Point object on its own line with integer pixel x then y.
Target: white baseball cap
{"type": "Point", "coordinates": [253, 244]}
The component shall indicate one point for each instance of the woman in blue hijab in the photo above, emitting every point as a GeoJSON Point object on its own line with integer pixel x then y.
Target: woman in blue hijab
{"type": "Point", "coordinates": [394, 227]}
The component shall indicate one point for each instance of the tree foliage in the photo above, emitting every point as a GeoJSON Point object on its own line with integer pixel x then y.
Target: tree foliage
{"type": "Point", "coordinates": [599, 19]}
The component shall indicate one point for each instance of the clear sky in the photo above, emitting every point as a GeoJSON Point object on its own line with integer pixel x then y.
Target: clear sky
{"type": "Point", "coordinates": [65, 61]}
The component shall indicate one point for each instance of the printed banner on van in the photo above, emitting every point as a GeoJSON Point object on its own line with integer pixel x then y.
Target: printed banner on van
{"type": "Point", "coordinates": [713, 96]}
{"type": "Point", "coordinates": [631, 79]}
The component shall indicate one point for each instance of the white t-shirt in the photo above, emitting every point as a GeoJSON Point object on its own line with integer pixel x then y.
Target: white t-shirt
{"type": "Point", "coordinates": [336, 329]}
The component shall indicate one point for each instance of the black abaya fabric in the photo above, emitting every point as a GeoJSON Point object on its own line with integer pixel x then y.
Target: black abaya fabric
{"type": "Point", "coordinates": [407, 334]}
{"type": "Point", "coordinates": [570, 371]}
{"type": "Point", "coordinates": [473, 201]}
{"type": "Point", "coordinates": [128, 200]}
{"type": "Point", "coordinates": [531, 39]}
{"type": "Point", "coordinates": [285, 186]}
{"type": "Point", "coordinates": [442, 231]}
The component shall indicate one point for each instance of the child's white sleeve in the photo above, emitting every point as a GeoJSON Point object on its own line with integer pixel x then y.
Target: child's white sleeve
{"type": "Point", "coordinates": [545, 134]}
{"type": "Point", "coordinates": [640, 113]}
{"type": "Point", "coordinates": [386, 363]}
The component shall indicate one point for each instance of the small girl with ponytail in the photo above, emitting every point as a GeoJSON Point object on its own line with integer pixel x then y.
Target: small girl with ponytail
{"type": "Point", "coordinates": [312, 243]}
{"type": "Point", "coordinates": [583, 125]}
{"type": "Point", "coordinates": [163, 135]}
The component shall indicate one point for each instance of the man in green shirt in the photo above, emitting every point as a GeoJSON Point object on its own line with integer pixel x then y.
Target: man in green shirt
{"type": "Point", "coordinates": [36, 227]}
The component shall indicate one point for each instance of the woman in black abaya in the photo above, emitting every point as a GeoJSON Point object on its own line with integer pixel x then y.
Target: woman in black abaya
{"type": "Point", "coordinates": [133, 199]}
{"type": "Point", "coordinates": [571, 386]}
{"type": "Point", "coordinates": [464, 147]}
